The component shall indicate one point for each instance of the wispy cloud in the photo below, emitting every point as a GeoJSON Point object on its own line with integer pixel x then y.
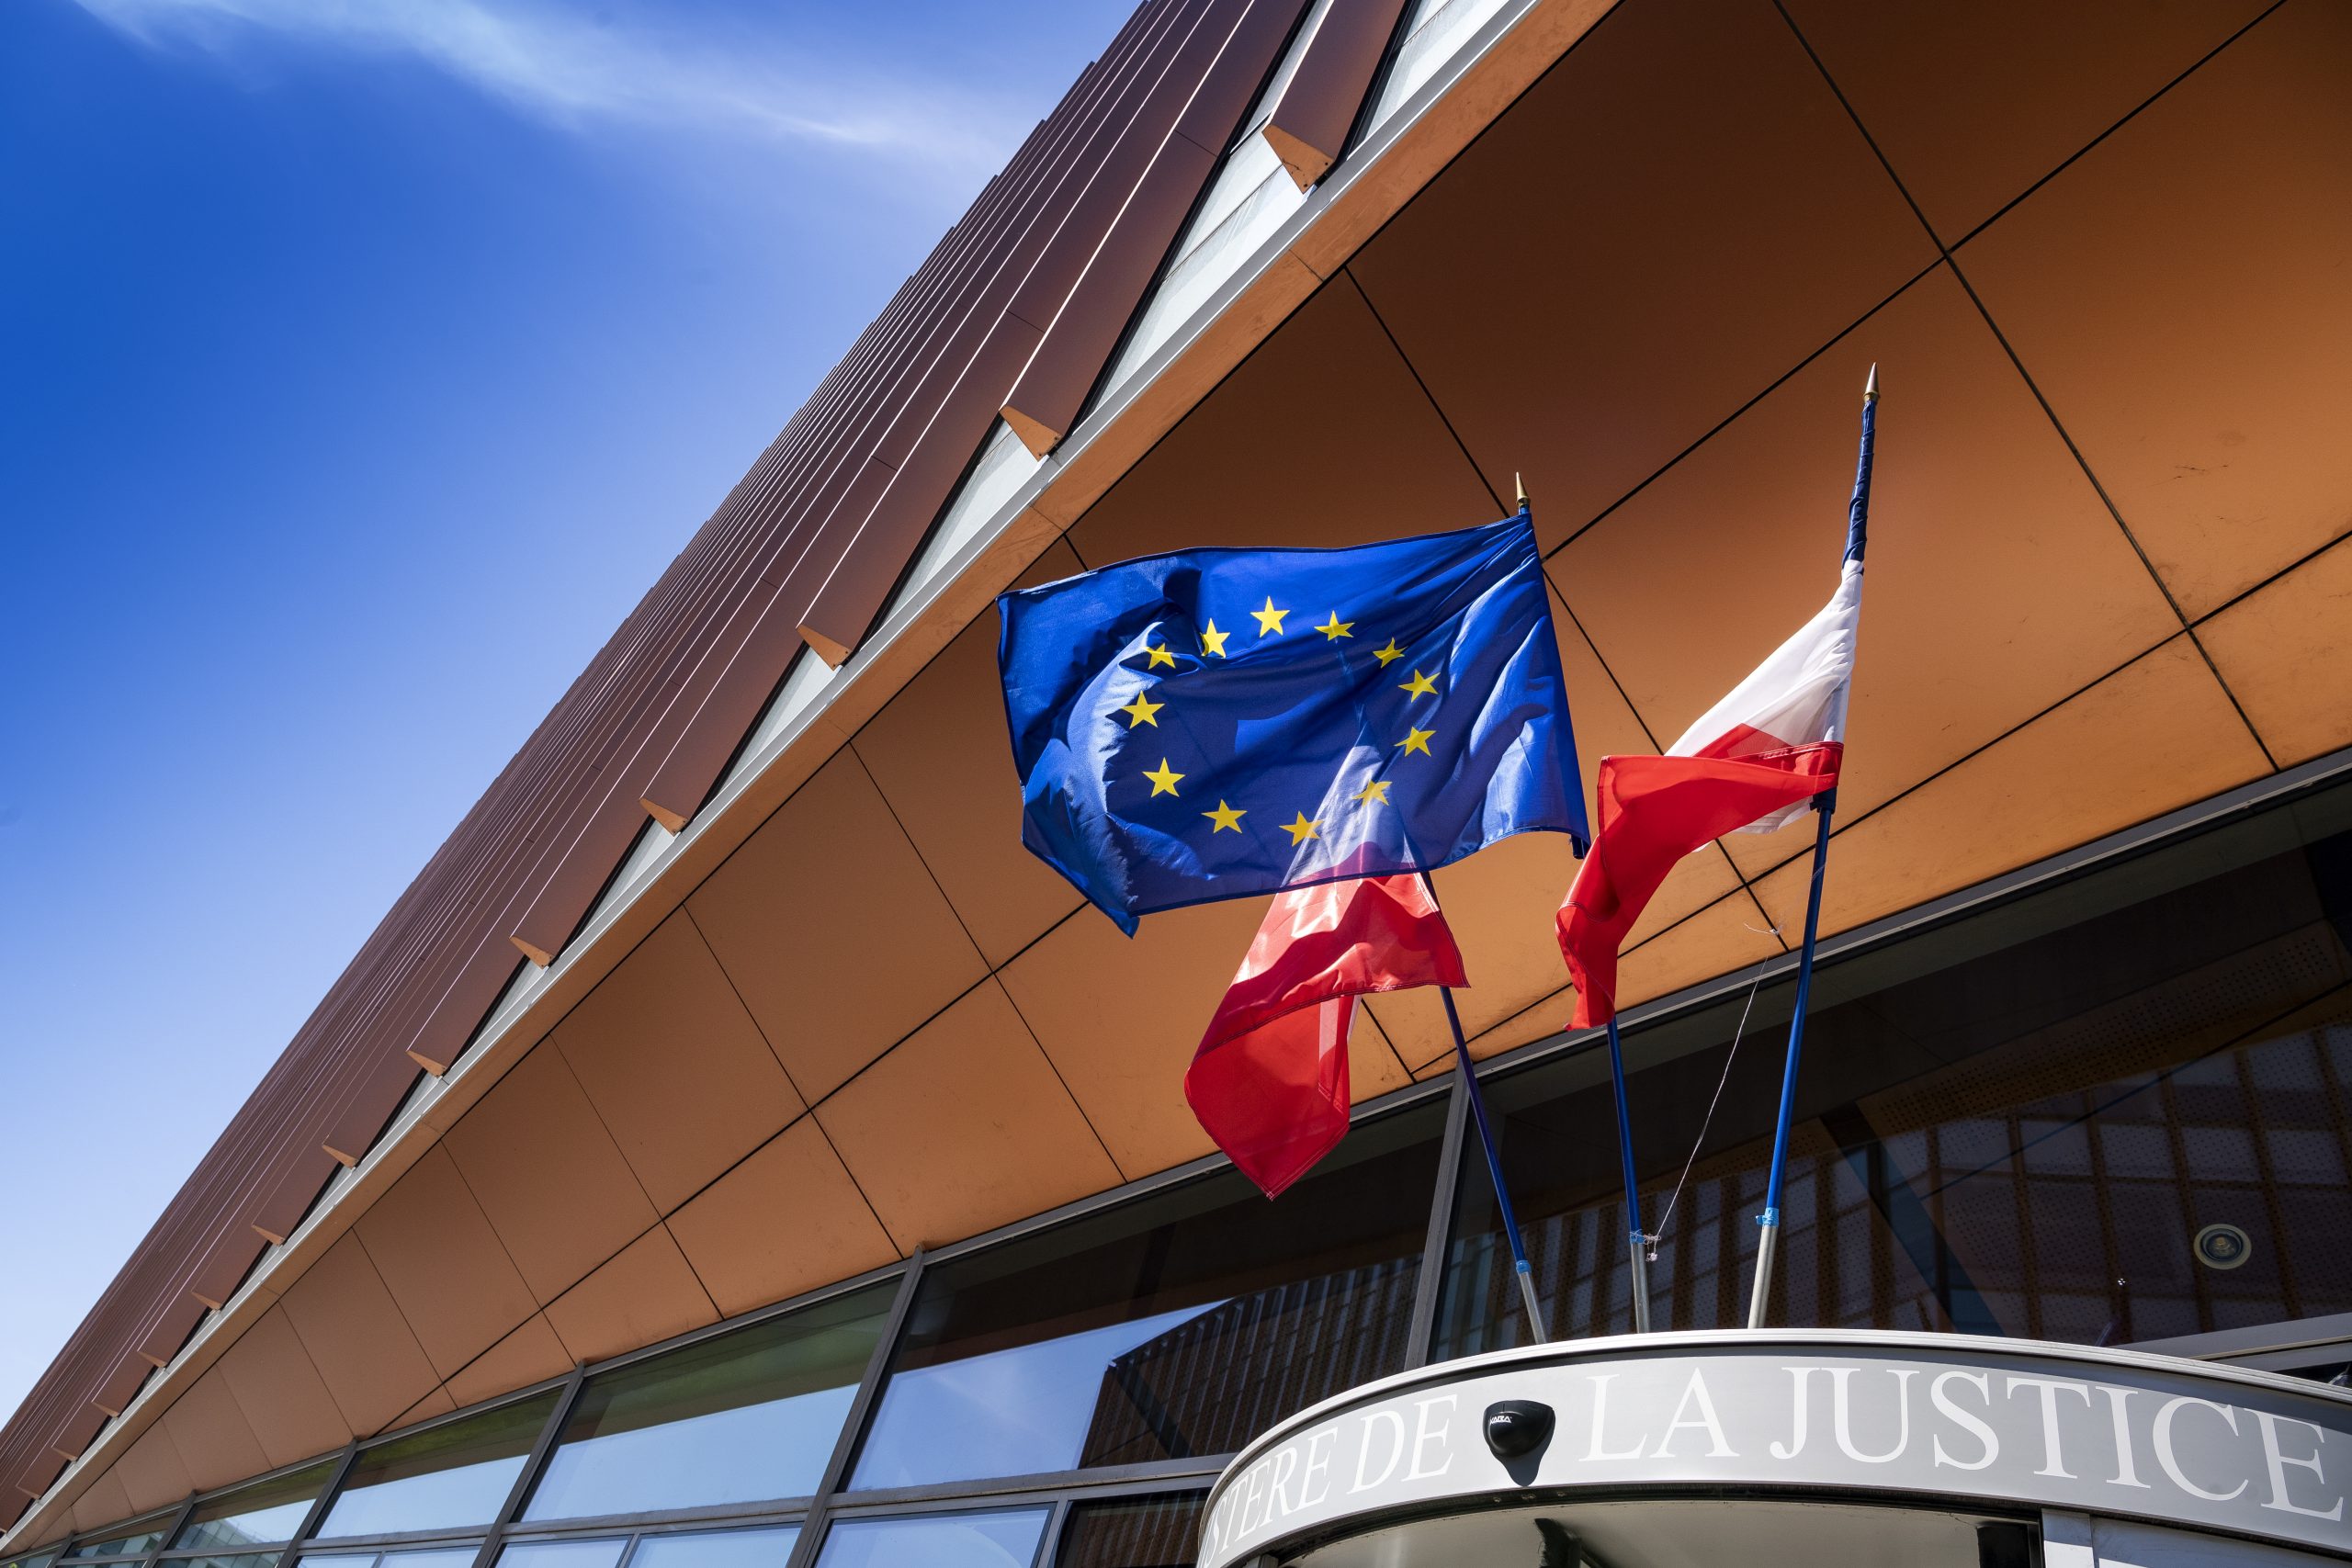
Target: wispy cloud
{"type": "Point", "coordinates": [580, 71]}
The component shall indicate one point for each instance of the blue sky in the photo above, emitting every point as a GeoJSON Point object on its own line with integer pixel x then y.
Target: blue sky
{"type": "Point", "coordinates": [363, 362]}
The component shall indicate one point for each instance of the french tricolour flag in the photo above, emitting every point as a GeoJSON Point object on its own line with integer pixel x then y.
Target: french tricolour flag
{"type": "Point", "coordinates": [1749, 765]}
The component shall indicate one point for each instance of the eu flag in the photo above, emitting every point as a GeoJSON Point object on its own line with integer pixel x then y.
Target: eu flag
{"type": "Point", "coordinates": [1218, 723]}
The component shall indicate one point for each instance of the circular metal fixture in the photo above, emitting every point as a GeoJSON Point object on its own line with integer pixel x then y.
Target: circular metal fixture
{"type": "Point", "coordinates": [2222, 1246]}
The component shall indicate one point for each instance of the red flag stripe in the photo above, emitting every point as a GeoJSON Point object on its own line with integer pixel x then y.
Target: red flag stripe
{"type": "Point", "coordinates": [1652, 812]}
{"type": "Point", "coordinates": [1270, 1079]}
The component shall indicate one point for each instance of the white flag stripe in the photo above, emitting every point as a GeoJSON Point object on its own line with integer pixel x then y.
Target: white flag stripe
{"type": "Point", "coordinates": [1796, 697]}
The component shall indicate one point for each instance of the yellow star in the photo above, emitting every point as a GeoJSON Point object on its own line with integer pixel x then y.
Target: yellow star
{"type": "Point", "coordinates": [1224, 817]}
{"type": "Point", "coordinates": [1143, 710]}
{"type": "Point", "coordinates": [1374, 794]}
{"type": "Point", "coordinates": [1301, 831]}
{"type": "Point", "coordinates": [1388, 655]}
{"type": "Point", "coordinates": [1159, 655]}
{"type": "Point", "coordinates": [1420, 685]}
{"type": "Point", "coordinates": [1270, 619]}
{"type": "Point", "coordinates": [1213, 641]}
{"type": "Point", "coordinates": [1164, 781]}
{"type": "Point", "coordinates": [1336, 628]}
{"type": "Point", "coordinates": [1415, 741]}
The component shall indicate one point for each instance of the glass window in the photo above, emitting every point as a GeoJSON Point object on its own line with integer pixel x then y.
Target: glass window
{"type": "Point", "coordinates": [1004, 1539]}
{"type": "Point", "coordinates": [1149, 1533]}
{"type": "Point", "coordinates": [2020, 1122]}
{"type": "Point", "coordinates": [42, 1559]}
{"type": "Point", "coordinates": [263, 1514]}
{"type": "Point", "coordinates": [741, 1418]}
{"type": "Point", "coordinates": [126, 1539]}
{"type": "Point", "coordinates": [460, 1556]}
{"type": "Point", "coordinates": [233, 1559]}
{"type": "Point", "coordinates": [444, 1477]}
{"type": "Point", "coordinates": [1175, 1327]}
{"type": "Point", "coordinates": [765, 1547]}
{"type": "Point", "coordinates": [600, 1553]}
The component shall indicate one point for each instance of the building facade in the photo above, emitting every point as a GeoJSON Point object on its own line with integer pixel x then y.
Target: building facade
{"type": "Point", "coordinates": [735, 1149]}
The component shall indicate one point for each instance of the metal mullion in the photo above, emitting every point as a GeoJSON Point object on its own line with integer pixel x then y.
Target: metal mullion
{"type": "Point", "coordinates": [860, 1407]}
{"type": "Point", "coordinates": [317, 1514]}
{"type": "Point", "coordinates": [397, 1541]}
{"type": "Point", "coordinates": [1015, 1489]}
{"type": "Point", "coordinates": [1439, 1235]}
{"type": "Point", "coordinates": [1049, 1539]}
{"type": "Point", "coordinates": [541, 1446]}
{"type": "Point", "coordinates": [171, 1532]}
{"type": "Point", "coordinates": [660, 1518]}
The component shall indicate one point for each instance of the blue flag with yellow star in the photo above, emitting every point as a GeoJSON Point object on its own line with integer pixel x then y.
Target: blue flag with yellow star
{"type": "Point", "coordinates": [1218, 723]}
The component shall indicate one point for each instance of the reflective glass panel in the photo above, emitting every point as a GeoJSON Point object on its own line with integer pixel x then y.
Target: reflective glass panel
{"type": "Point", "coordinates": [261, 1514]}
{"type": "Point", "coordinates": [42, 1559]}
{"type": "Point", "coordinates": [233, 1559]}
{"type": "Point", "coordinates": [445, 1477]}
{"type": "Point", "coordinates": [718, 1549]}
{"type": "Point", "coordinates": [600, 1553]}
{"type": "Point", "coordinates": [124, 1540]}
{"type": "Point", "coordinates": [2110, 1110]}
{"type": "Point", "coordinates": [1178, 1327]}
{"type": "Point", "coordinates": [431, 1557]}
{"type": "Point", "coordinates": [1150, 1532]}
{"type": "Point", "coordinates": [1005, 1539]}
{"type": "Point", "coordinates": [741, 1418]}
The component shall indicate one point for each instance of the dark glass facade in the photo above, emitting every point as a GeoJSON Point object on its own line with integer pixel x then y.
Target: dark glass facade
{"type": "Point", "coordinates": [2110, 1110]}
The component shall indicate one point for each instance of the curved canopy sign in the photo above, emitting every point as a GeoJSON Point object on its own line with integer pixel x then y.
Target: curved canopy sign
{"type": "Point", "coordinates": [2002, 1423]}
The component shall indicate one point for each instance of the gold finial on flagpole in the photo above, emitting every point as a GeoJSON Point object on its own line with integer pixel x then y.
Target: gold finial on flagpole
{"type": "Point", "coordinates": [1521, 485]}
{"type": "Point", "coordinates": [1869, 391]}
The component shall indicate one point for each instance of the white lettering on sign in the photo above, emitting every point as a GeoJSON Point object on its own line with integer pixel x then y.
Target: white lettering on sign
{"type": "Point", "coordinates": [1600, 1419]}
{"type": "Point", "coordinates": [1318, 1464]}
{"type": "Point", "coordinates": [1795, 1445]}
{"type": "Point", "coordinates": [1285, 1461]}
{"type": "Point", "coordinates": [1842, 1413]}
{"type": "Point", "coordinates": [2171, 1462]}
{"type": "Point", "coordinates": [2276, 1460]}
{"type": "Point", "coordinates": [1423, 1436]}
{"type": "Point", "coordinates": [1966, 1422]}
{"type": "Point", "coordinates": [1364, 1481]}
{"type": "Point", "coordinates": [2246, 1458]}
{"type": "Point", "coordinates": [2119, 1401]}
{"type": "Point", "coordinates": [2052, 1462]}
{"type": "Point", "coordinates": [1695, 1393]}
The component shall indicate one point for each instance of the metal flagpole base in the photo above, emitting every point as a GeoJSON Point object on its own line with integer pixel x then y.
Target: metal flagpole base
{"type": "Point", "coordinates": [1641, 1283]}
{"type": "Point", "coordinates": [1534, 1308]}
{"type": "Point", "coordinates": [1768, 1235]}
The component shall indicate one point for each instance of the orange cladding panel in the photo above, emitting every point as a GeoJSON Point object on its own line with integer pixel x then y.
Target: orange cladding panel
{"type": "Point", "coordinates": [679, 1074]}
{"type": "Point", "coordinates": [787, 1219]}
{"type": "Point", "coordinates": [1674, 216]}
{"type": "Point", "coordinates": [1974, 100]}
{"type": "Point", "coordinates": [832, 930]}
{"type": "Point", "coordinates": [2179, 294]}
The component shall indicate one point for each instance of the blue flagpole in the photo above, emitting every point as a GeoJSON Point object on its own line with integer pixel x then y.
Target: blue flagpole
{"type": "Point", "coordinates": [1637, 1242]}
{"type": "Point", "coordinates": [1768, 1236]}
{"type": "Point", "coordinates": [1494, 1169]}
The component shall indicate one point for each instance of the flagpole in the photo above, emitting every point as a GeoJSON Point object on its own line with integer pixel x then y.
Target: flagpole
{"type": "Point", "coordinates": [1521, 1267]}
{"type": "Point", "coordinates": [1825, 804]}
{"type": "Point", "coordinates": [1494, 1168]}
{"type": "Point", "coordinates": [1637, 1243]}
